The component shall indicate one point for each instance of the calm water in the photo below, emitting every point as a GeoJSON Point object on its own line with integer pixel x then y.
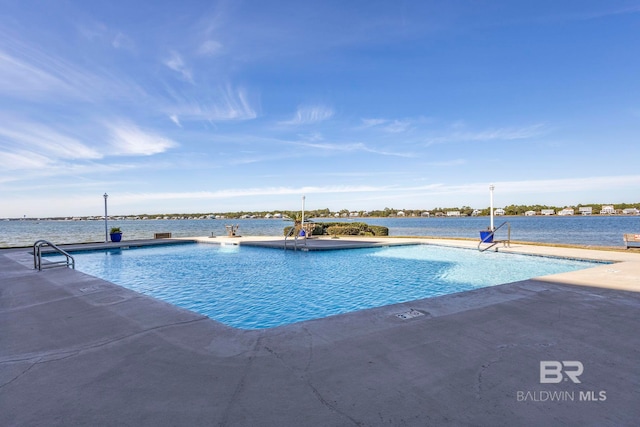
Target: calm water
{"type": "Point", "coordinates": [277, 287]}
{"type": "Point", "coordinates": [581, 230]}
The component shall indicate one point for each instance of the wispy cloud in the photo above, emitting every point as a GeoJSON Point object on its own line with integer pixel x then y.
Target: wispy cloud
{"type": "Point", "coordinates": [313, 137]}
{"type": "Point", "coordinates": [447, 163]}
{"type": "Point", "coordinates": [393, 125]}
{"type": "Point", "coordinates": [23, 160]}
{"type": "Point", "coordinates": [21, 77]}
{"type": "Point", "coordinates": [98, 32]}
{"type": "Point", "coordinates": [175, 119]}
{"type": "Point", "coordinates": [247, 192]}
{"type": "Point", "coordinates": [33, 145]}
{"type": "Point", "coordinates": [280, 148]}
{"type": "Point", "coordinates": [247, 159]}
{"type": "Point", "coordinates": [95, 95]}
{"type": "Point", "coordinates": [434, 189]}
{"type": "Point", "coordinates": [543, 187]}
{"type": "Point", "coordinates": [29, 72]}
{"type": "Point", "coordinates": [367, 123]}
{"type": "Point", "coordinates": [595, 183]}
{"type": "Point", "coordinates": [209, 48]}
{"type": "Point", "coordinates": [175, 62]}
{"type": "Point", "coordinates": [234, 105]}
{"type": "Point", "coordinates": [128, 140]}
{"type": "Point", "coordinates": [122, 41]}
{"type": "Point", "coordinates": [498, 134]}
{"type": "Point", "coordinates": [310, 114]}
{"type": "Point", "coordinates": [92, 31]}
{"type": "Point", "coordinates": [397, 126]}
{"type": "Point", "coordinates": [39, 138]}
{"type": "Point", "coordinates": [219, 104]}
{"type": "Point", "coordinates": [349, 147]}
{"type": "Point", "coordinates": [387, 190]}
{"type": "Point", "coordinates": [38, 172]}
{"type": "Point", "coordinates": [606, 11]}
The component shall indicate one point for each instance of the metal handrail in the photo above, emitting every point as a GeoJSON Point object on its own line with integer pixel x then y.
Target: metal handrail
{"type": "Point", "coordinates": [491, 235]}
{"type": "Point", "coordinates": [307, 231]}
{"type": "Point", "coordinates": [293, 229]}
{"type": "Point", "coordinates": [37, 256]}
{"type": "Point", "coordinates": [297, 236]}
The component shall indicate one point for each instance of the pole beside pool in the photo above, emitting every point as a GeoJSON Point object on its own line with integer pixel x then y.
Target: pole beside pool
{"type": "Point", "coordinates": [303, 212]}
{"type": "Point", "coordinates": [491, 187]}
{"type": "Point", "coordinates": [106, 233]}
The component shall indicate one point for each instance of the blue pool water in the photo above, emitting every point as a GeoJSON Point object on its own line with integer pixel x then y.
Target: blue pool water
{"type": "Point", "coordinates": [254, 288]}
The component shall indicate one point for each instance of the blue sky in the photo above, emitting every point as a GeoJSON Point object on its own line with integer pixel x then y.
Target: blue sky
{"type": "Point", "coordinates": [214, 106]}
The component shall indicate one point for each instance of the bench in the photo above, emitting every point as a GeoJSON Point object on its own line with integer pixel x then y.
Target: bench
{"type": "Point", "coordinates": [161, 235]}
{"type": "Point", "coordinates": [631, 241]}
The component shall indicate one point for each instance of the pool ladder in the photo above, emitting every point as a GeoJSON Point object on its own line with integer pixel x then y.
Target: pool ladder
{"type": "Point", "coordinates": [69, 261]}
{"type": "Point", "coordinates": [505, 242]}
{"type": "Point", "coordinates": [295, 238]}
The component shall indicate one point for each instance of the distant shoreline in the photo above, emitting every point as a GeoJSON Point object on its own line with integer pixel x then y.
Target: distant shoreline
{"type": "Point", "coordinates": [353, 218]}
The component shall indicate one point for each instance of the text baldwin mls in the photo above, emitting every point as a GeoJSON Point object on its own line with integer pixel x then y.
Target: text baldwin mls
{"type": "Point", "coordinates": [554, 372]}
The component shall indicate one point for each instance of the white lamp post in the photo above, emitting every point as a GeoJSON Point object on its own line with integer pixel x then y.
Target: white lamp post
{"type": "Point", "coordinates": [106, 233]}
{"type": "Point", "coordinates": [303, 212]}
{"type": "Point", "coordinates": [491, 187]}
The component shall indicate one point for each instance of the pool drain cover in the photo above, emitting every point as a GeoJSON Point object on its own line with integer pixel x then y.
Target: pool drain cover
{"type": "Point", "coordinates": [409, 314]}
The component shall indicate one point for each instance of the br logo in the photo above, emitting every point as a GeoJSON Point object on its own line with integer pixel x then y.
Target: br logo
{"type": "Point", "coordinates": [551, 371]}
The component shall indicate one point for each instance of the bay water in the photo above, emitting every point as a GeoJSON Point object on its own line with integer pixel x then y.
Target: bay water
{"type": "Point", "coordinates": [576, 230]}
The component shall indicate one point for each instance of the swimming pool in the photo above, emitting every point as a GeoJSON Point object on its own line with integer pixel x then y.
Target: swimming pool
{"type": "Point", "coordinates": [254, 288]}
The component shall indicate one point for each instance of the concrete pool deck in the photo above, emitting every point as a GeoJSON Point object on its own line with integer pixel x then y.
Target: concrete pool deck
{"type": "Point", "coordinates": [77, 350]}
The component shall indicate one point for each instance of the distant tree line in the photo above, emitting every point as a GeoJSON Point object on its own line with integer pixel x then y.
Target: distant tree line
{"type": "Point", "coordinates": [392, 212]}
{"type": "Point", "coordinates": [386, 212]}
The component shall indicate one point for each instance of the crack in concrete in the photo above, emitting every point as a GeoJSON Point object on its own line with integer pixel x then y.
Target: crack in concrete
{"type": "Point", "coordinates": [41, 361]}
{"type": "Point", "coordinates": [20, 374]}
{"type": "Point", "coordinates": [331, 406]}
{"type": "Point", "coordinates": [241, 383]}
{"type": "Point", "coordinates": [500, 349]}
{"type": "Point", "coordinates": [484, 367]}
{"type": "Point", "coordinates": [305, 377]}
{"type": "Point", "coordinates": [310, 357]}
